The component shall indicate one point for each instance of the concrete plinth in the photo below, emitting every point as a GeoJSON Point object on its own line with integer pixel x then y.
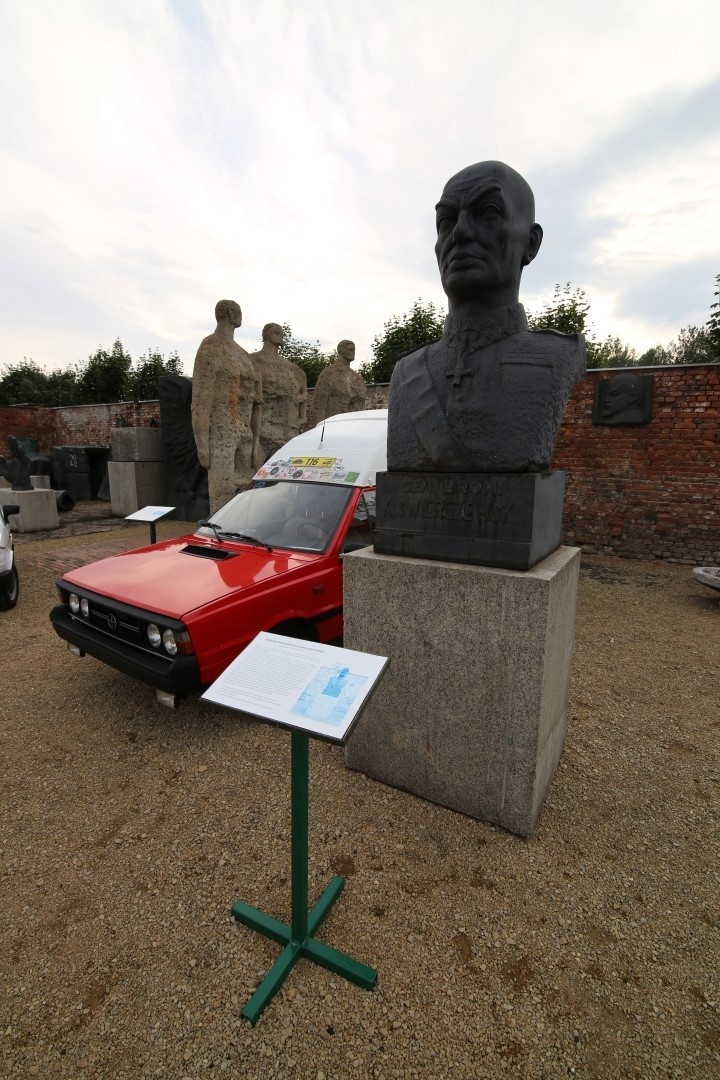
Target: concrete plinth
{"type": "Point", "coordinates": [38, 510]}
{"type": "Point", "coordinates": [136, 444]}
{"type": "Point", "coordinates": [472, 710]}
{"type": "Point", "coordinates": [134, 484]}
{"type": "Point", "coordinates": [40, 483]}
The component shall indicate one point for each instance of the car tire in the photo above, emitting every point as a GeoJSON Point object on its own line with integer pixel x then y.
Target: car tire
{"type": "Point", "coordinates": [9, 590]}
{"type": "Point", "coordinates": [295, 628]}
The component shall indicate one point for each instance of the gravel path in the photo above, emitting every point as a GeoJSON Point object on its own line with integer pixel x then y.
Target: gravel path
{"type": "Point", "coordinates": [128, 830]}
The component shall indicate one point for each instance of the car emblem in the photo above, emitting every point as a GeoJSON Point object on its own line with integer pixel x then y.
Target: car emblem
{"type": "Point", "coordinates": [112, 622]}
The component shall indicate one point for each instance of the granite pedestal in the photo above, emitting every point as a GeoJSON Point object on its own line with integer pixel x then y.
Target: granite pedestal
{"type": "Point", "coordinates": [511, 520]}
{"type": "Point", "coordinates": [134, 484]}
{"type": "Point", "coordinates": [38, 510]}
{"type": "Point", "coordinates": [472, 710]}
{"type": "Point", "coordinates": [136, 444]}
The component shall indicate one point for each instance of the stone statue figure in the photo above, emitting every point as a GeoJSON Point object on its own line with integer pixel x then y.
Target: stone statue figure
{"type": "Point", "coordinates": [490, 395]}
{"type": "Point", "coordinates": [284, 394]}
{"type": "Point", "coordinates": [225, 407]}
{"type": "Point", "coordinates": [339, 389]}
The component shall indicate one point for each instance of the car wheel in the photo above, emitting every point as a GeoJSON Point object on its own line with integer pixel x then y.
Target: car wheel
{"type": "Point", "coordinates": [10, 590]}
{"type": "Point", "coordinates": [295, 628]}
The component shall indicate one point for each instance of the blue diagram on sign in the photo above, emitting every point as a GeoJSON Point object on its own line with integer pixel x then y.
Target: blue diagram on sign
{"type": "Point", "coordinates": [328, 698]}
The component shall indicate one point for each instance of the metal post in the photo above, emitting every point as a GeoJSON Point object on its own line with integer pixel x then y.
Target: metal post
{"type": "Point", "coordinates": [299, 769]}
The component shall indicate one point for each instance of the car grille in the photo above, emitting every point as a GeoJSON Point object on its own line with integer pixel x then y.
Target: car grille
{"type": "Point", "coordinates": [122, 627]}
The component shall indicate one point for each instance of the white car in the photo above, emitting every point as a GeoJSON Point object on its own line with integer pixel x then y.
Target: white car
{"type": "Point", "coordinates": [9, 584]}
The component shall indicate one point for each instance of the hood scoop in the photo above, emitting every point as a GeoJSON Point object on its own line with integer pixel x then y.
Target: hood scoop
{"type": "Point", "coordinates": [202, 552]}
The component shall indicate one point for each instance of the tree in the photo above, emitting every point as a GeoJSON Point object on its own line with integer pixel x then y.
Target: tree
{"type": "Point", "coordinates": [713, 323]}
{"type": "Point", "coordinates": [567, 312]}
{"type": "Point", "coordinates": [143, 379]}
{"type": "Point", "coordinates": [610, 353]}
{"type": "Point", "coordinates": [423, 324]}
{"type": "Point", "coordinates": [307, 356]}
{"type": "Point", "coordinates": [105, 376]}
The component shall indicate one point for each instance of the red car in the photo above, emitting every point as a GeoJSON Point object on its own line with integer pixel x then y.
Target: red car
{"type": "Point", "coordinates": [176, 613]}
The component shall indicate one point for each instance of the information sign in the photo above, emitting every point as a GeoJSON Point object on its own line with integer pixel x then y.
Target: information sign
{"type": "Point", "coordinates": [300, 685]}
{"type": "Point", "coordinates": [149, 513]}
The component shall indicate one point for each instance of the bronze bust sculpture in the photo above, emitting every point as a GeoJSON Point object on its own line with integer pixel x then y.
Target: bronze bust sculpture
{"type": "Point", "coordinates": [472, 418]}
{"type": "Point", "coordinates": [489, 396]}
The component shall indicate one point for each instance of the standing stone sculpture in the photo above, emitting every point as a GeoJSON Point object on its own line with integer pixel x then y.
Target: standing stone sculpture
{"type": "Point", "coordinates": [473, 417]}
{"type": "Point", "coordinates": [225, 407]}
{"type": "Point", "coordinates": [283, 394]}
{"type": "Point", "coordinates": [339, 389]}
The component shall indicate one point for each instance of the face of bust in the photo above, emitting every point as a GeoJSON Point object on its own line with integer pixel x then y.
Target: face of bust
{"type": "Point", "coordinates": [485, 234]}
{"type": "Point", "coordinates": [275, 334]}
{"type": "Point", "coordinates": [346, 351]}
{"type": "Point", "coordinates": [623, 393]}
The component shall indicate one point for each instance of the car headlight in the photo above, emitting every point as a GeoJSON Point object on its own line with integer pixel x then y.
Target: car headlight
{"type": "Point", "coordinates": [169, 642]}
{"type": "Point", "coordinates": [153, 635]}
{"type": "Point", "coordinates": [85, 607]}
{"type": "Point", "coordinates": [74, 602]}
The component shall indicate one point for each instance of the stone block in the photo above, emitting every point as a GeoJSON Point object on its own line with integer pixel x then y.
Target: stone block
{"type": "Point", "coordinates": [134, 484]}
{"type": "Point", "coordinates": [40, 483]}
{"type": "Point", "coordinates": [472, 710]}
{"type": "Point", "coordinates": [512, 520]}
{"type": "Point", "coordinates": [136, 444]}
{"type": "Point", "coordinates": [38, 510]}
{"type": "Point", "coordinates": [4, 483]}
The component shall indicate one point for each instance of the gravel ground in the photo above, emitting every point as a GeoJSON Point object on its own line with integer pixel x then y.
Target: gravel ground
{"type": "Point", "coordinates": [128, 830]}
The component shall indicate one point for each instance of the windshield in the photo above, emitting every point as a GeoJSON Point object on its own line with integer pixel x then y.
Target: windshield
{"type": "Point", "coordinates": [281, 513]}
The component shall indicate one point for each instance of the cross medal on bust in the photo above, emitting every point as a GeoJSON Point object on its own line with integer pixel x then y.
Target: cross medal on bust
{"type": "Point", "coordinates": [459, 372]}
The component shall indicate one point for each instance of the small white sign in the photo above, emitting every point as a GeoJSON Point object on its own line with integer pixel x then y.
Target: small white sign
{"type": "Point", "coordinates": [318, 689]}
{"type": "Point", "coordinates": [149, 513]}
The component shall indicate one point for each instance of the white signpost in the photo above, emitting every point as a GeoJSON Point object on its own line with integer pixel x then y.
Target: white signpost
{"type": "Point", "coordinates": [150, 514]}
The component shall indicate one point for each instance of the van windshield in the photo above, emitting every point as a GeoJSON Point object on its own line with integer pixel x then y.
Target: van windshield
{"type": "Point", "coordinates": [281, 513]}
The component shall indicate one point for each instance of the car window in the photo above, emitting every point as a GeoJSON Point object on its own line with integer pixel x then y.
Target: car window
{"type": "Point", "coordinates": [284, 513]}
{"type": "Point", "coordinates": [360, 533]}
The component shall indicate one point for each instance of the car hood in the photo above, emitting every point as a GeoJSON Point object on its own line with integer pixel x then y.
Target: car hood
{"type": "Point", "coordinates": [178, 576]}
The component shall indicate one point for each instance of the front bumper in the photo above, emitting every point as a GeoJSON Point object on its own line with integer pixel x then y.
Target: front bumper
{"type": "Point", "coordinates": [176, 675]}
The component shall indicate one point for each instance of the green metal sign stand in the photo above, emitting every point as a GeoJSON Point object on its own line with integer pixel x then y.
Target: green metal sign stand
{"type": "Point", "coordinates": [297, 938]}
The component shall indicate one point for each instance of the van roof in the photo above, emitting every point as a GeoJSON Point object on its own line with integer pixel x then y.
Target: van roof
{"type": "Point", "coordinates": [349, 448]}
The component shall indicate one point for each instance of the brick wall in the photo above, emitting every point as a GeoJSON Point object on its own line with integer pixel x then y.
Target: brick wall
{"type": "Point", "coordinates": [27, 422]}
{"type": "Point", "coordinates": [90, 425]}
{"type": "Point", "coordinates": [646, 491]}
{"type": "Point", "coordinates": [72, 425]}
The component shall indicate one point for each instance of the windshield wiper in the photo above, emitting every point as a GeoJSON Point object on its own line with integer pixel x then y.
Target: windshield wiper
{"type": "Point", "coordinates": [246, 537]}
{"type": "Point", "coordinates": [210, 525]}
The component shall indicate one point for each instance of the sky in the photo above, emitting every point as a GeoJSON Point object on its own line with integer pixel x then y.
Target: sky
{"type": "Point", "coordinates": [159, 155]}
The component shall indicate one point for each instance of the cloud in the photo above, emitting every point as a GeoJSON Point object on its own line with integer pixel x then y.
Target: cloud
{"type": "Point", "coordinates": [157, 158]}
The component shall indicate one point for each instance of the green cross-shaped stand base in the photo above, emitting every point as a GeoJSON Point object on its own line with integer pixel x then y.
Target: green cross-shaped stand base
{"type": "Point", "coordinates": [298, 937]}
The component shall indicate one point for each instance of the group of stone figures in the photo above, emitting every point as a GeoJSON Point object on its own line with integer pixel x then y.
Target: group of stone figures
{"type": "Point", "coordinates": [245, 406]}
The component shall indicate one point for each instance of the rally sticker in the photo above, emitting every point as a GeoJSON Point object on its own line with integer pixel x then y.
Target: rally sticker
{"type": "Point", "coordinates": [313, 462]}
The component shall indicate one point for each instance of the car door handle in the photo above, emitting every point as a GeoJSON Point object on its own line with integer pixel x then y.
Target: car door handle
{"type": "Point", "coordinates": [318, 588]}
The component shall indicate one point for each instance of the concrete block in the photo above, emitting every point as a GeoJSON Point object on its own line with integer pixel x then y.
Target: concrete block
{"type": "Point", "coordinates": [136, 444]}
{"type": "Point", "coordinates": [38, 510]}
{"type": "Point", "coordinates": [134, 484]}
{"type": "Point", "coordinates": [472, 710]}
{"type": "Point", "coordinates": [40, 483]}
{"type": "Point", "coordinates": [4, 483]}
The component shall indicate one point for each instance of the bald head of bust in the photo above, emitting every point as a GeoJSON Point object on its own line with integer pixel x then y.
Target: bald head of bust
{"type": "Point", "coordinates": [486, 234]}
